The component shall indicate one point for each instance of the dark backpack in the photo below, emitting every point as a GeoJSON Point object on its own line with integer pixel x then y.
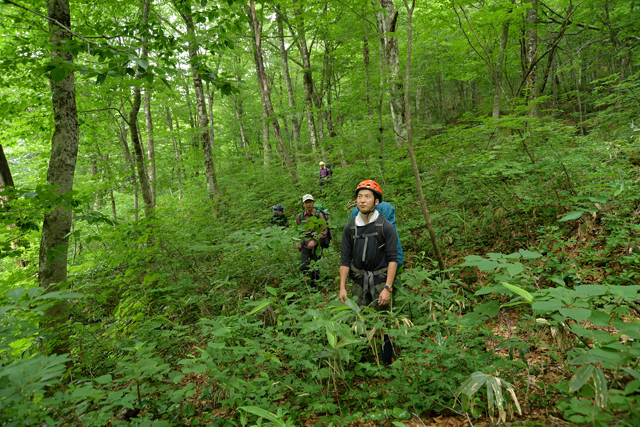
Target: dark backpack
{"type": "Point", "coordinates": [378, 234]}
{"type": "Point", "coordinates": [325, 213]}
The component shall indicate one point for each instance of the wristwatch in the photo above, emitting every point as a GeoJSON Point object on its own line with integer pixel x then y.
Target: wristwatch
{"type": "Point", "coordinates": [389, 288]}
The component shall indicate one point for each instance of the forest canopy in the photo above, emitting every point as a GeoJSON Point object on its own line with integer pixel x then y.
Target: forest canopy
{"type": "Point", "coordinates": [146, 145]}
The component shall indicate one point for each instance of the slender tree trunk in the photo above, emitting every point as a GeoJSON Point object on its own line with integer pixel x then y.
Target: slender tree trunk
{"type": "Point", "coordinates": [389, 18]}
{"type": "Point", "coordinates": [267, 96]}
{"type": "Point", "coordinates": [380, 32]}
{"type": "Point", "coordinates": [531, 51]}
{"type": "Point", "coordinates": [266, 145]}
{"type": "Point", "coordinates": [54, 243]}
{"type": "Point", "coordinates": [412, 155]}
{"type": "Point", "coordinates": [295, 124]}
{"type": "Point", "coordinates": [497, 89]}
{"type": "Point", "coordinates": [365, 55]}
{"type": "Point", "coordinates": [212, 135]}
{"type": "Point", "coordinates": [176, 152]}
{"type": "Point", "coordinates": [139, 152]}
{"type": "Point", "coordinates": [210, 170]}
{"type": "Point", "coordinates": [136, 140]}
{"type": "Point", "coordinates": [122, 135]}
{"type": "Point", "coordinates": [237, 105]}
{"type": "Point", "coordinates": [151, 152]}
{"type": "Point", "coordinates": [307, 82]}
{"type": "Point", "coordinates": [194, 140]}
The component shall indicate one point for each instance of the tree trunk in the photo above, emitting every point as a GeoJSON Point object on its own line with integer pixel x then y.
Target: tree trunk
{"type": "Point", "coordinates": [134, 129]}
{"type": "Point", "coordinates": [387, 22]}
{"type": "Point", "coordinates": [380, 32]}
{"type": "Point", "coordinates": [150, 145]}
{"type": "Point", "coordinates": [176, 152]}
{"type": "Point", "coordinates": [54, 243]}
{"type": "Point", "coordinates": [210, 171]}
{"type": "Point", "coordinates": [266, 95]}
{"type": "Point", "coordinates": [122, 135]}
{"type": "Point", "coordinates": [531, 52]}
{"type": "Point", "coordinates": [412, 155]}
{"type": "Point", "coordinates": [295, 124]}
{"type": "Point", "coordinates": [365, 55]}
{"type": "Point", "coordinates": [194, 140]}
{"type": "Point", "coordinates": [212, 135]}
{"type": "Point", "coordinates": [497, 89]}
{"type": "Point", "coordinates": [139, 152]}
{"type": "Point", "coordinates": [307, 82]}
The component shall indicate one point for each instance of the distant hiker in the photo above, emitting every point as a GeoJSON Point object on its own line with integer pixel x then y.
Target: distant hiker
{"type": "Point", "coordinates": [278, 218]}
{"type": "Point", "coordinates": [369, 256]}
{"type": "Point", "coordinates": [325, 173]}
{"type": "Point", "coordinates": [311, 248]}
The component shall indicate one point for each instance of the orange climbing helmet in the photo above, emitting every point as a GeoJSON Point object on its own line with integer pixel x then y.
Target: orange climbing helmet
{"type": "Point", "coordinates": [370, 184]}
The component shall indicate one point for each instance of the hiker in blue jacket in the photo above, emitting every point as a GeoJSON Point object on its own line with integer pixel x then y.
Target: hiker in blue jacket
{"type": "Point", "coordinates": [369, 256]}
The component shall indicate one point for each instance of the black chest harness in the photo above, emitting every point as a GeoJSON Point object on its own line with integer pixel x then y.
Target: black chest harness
{"type": "Point", "coordinates": [368, 284]}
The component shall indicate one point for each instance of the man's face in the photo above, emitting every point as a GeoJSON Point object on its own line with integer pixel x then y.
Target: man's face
{"type": "Point", "coordinates": [280, 213]}
{"type": "Point", "coordinates": [366, 200]}
{"type": "Point", "coordinates": [321, 166]}
{"type": "Point", "coordinates": [308, 205]}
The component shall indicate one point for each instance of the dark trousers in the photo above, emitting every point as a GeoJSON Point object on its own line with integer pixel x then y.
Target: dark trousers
{"type": "Point", "coordinates": [306, 256]}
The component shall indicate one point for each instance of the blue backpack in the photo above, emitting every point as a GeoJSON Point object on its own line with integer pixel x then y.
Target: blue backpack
{"type": "Point", "coordinates": [389, 212]}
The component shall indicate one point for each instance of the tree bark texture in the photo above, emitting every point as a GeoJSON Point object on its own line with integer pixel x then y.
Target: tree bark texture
{"type": "Point", "coordinates": [497, 89]}
{"type": "Point", "coordinates": [267, 96]}
{"type": "Point", "coordinates": [295, 124]}
{"type": "Point", "coordinates": [122, 135]}
{"type": "Point", "coordinates": [531, 52]}
{"type": "Point", "coordinates": [151, 152]}
{"type": "Point", "coordinates": [387, 23]}
{"type": "Point", "coordinates": [54, 243]}
{"type": "Point", "coordinates": [134, 129]}
{"type": "Point", "coordinates": [307, 82]}
{"type": "Point", "coordinates": [178, 166]}
{"type": "Point", "coordinates": [203, 120]}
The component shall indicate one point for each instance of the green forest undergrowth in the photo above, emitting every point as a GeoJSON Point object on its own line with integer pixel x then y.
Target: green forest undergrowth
{"type": "Point", "coordinates": [199, 315]}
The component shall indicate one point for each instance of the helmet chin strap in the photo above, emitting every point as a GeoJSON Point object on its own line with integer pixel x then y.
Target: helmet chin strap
{"type": "Point", "coordinates": [368, 214]}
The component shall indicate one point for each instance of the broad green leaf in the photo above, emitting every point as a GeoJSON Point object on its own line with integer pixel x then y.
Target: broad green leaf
{"type": "Point", "coordinates": [529, 255]}
{"type": "Point", "coordinates": [487, 265]}
{"type": "Point", "coordinates": [15, 294]}
{"type": "Point", "coordinates": [577, 314]}
{"type": "Point", "coordinates": [332, 338]}
{"type": "Point", "coordinates": [473, 384]}
{"type": "Point", "coordinates": [580, 378]}
{"type": "Point", "coordinates": [591, 290]}
{"type": "Point", "coordinates": [571, 216]}
{"type": "Point", "coordinates": [262, 413]}
{"type": "Point", "coordinates": [260, 307]}
{"type": "Point", "coordinates": [489, 309]}
{"type": "Point", "coordinates": [600, 318]}
{"type": "Point", "coordinates": [547, 305]}
{"type": "Point", "coordinates": [104, 379]}
{"type": "Point", "coordinates": [59, 74]}
{"type": "Point", "coordinates": [513, 269]}
{"type": "Point", "coordinates": [586, 358]}
{"type": "Point", "coordinates": [600, 385]}
{"type": "Point", "coordinates": [632, 387]}
{"type": "Point", "coordinates": [599, 199]}
{"type": "Point", "coordinates": [518, 290]}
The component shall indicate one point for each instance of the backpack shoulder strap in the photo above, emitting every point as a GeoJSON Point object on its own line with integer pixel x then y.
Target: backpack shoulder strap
{"type": "Point", "coordinates": [379, 233]}
{"type": "Point", "coordinates": [352, 227]}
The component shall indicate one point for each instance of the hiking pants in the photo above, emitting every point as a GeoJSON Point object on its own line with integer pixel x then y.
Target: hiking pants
{"type": "Point", "coordinates": [306, 256]}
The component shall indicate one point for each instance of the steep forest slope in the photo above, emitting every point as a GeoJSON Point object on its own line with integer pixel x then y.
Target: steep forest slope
{"type": "Point", "coordinates": [145, 144]}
